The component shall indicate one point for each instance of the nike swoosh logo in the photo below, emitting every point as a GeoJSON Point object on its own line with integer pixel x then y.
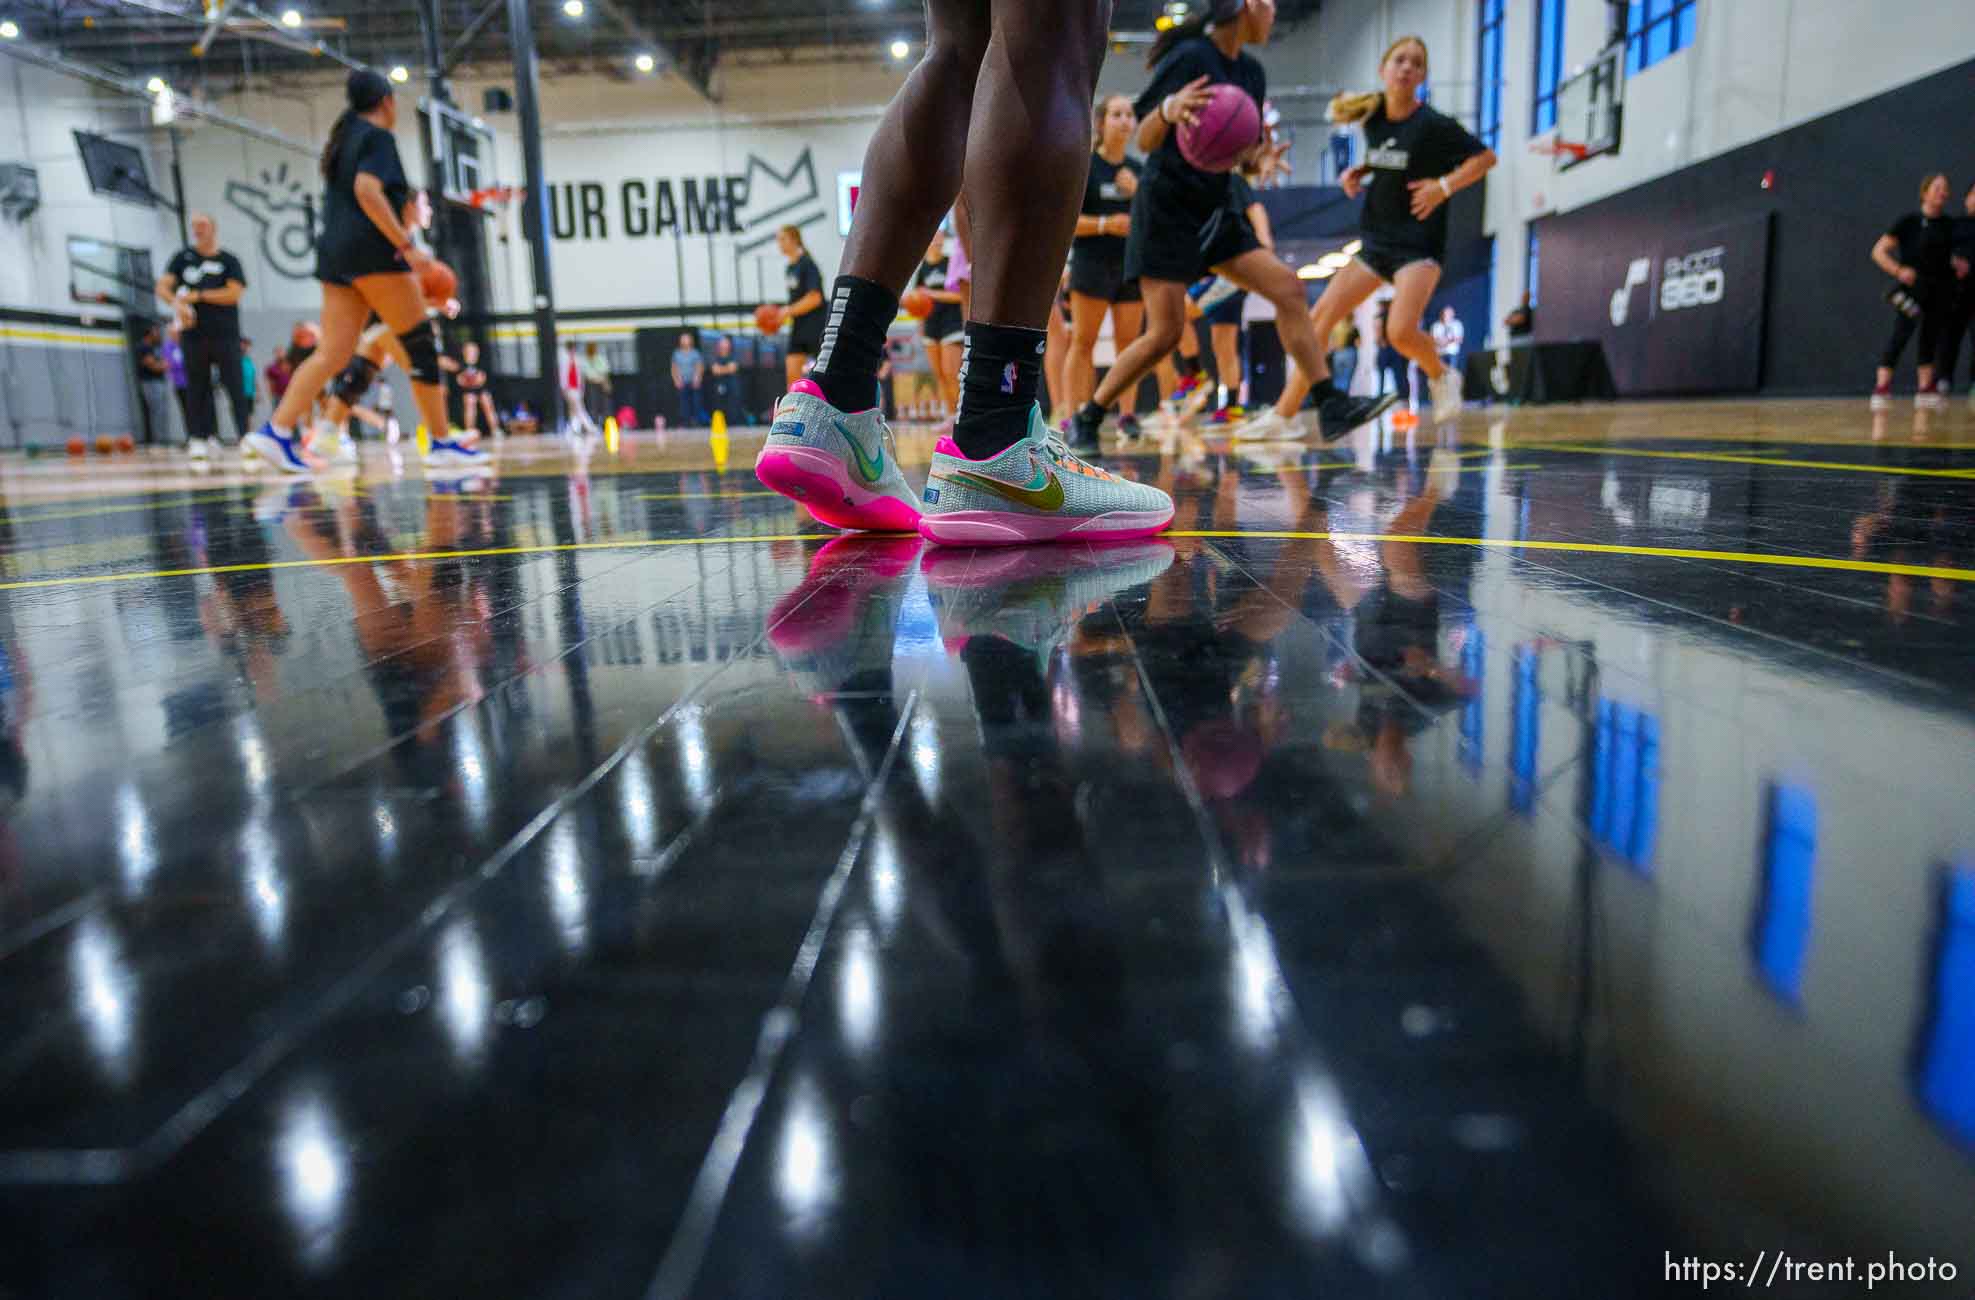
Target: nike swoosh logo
{"type": "Point", "coordinates": [1046, 493]}
{"type": "Point", "coordinates": [867, 468]}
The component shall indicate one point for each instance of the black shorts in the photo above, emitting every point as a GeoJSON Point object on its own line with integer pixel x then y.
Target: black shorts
{"type": "Point", "coordinates": [806, 333]}
{"type": "Point", "coordinates": [1227, 311]}
{"type": "Point", "coordinates": [1176, 236]}
{"type": "Point", "coordinates": [1387, 260]}
{"type": "Point", "coordinates": [1102, 278]}
{"type": "Point", "coordinates": [946, 324]}
{"type": "Point", "coordinates": [342, 261]}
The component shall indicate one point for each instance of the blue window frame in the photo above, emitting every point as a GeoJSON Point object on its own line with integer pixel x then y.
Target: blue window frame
{"type": "Point", "coordinates": [1532, 264]}
{"type": "Point", "coordinates": [1488, 97]}
{"type": "Point", "coordinates": [1655, 29]}
{"type": "Point", "coordinates": [1549, 64]}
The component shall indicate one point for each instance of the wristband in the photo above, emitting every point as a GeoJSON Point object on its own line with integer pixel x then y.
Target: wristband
{"type": "Point", "coordinates": [1165, 109]}
{"type": "Point", "coordinates": [1445, 193]}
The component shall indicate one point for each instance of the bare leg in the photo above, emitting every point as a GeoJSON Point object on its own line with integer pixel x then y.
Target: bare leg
{"type": "Point", "coordinates": [1086, 323]}
{"type": "Point", "coordinates": [1165, 320]}
{"type": "Point", "coordinates": [1055, 368]}
{"type": "Point", "coordinates": [1259, 271]}
{"type": "Point", "coordinates": [1127, 323]}
{"type": "Point", "coordinates": [398, 303]}
{"type": "Point", "coordinates": [1227, 360]}
{"type": "Point", "coordinates": [1341, 297]}
{"type": "Point", "coordinates": [912, 168]}
{"type": "Point", "coordinates": [343, 314]}
{"type": "Point", "coordinates": [1414, 287]}
{"type": "Point", "coordinates": [1031, 119]}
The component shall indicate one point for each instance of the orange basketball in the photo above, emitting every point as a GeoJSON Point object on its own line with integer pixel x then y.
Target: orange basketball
{"type": "Point", "coordinates": [437, 282]}
{"type": "Point", "coordinates": [126, 443]}
{"type": "Point", "coordinates": [76, 445]}
{"type": "Point", "coordinates": [768, 318]}
{"type": "Point", "coordinates": [105, 444]}
{"type": "Point", "coordinates": [917, 303]}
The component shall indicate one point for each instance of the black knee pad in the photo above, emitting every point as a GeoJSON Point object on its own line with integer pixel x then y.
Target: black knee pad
{"type": "Point", "coordinates": [355, 381]}
{"type": "Point", "coordinates": [421, 344]}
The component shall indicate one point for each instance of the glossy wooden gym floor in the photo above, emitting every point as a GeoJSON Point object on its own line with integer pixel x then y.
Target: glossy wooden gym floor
{"type": "Point", "coordinates": [1473, 870]}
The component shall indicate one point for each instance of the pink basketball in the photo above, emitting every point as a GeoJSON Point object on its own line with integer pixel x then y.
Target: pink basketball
{"type": "Point", "coordinates": [1228, 126]}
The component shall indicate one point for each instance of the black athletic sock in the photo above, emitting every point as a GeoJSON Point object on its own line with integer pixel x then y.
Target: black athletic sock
{"type": "Point", "coordinates": [853, 347]}
{"type": "Point", "coordinates": [1000, 374]}
{"type": "Point", "coordinates": [1323, 390]}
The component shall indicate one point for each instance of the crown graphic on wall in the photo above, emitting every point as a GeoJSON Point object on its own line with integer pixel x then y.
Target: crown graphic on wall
{"type": "Point", "coordinates": [777, 198]}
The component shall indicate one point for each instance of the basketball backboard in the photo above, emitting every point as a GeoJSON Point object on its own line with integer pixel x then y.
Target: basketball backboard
{"type": "Point", "coordinates": [1591, 109]}
{"type": "Point", "coordinates": [464, 148]}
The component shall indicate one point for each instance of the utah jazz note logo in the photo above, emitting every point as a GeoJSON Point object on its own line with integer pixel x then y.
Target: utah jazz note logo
{"type": "Point", "coordinates": [285, 213]}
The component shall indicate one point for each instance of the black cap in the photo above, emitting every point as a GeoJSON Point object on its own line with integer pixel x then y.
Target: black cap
{"type": "Point", "coordinates": [367, 89]}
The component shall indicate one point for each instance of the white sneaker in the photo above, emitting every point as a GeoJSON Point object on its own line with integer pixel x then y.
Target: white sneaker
{"type": "Point", "coordinates": [1266, 427]}
{"type": "Point", "coordinates": [346, 449]}
{"type": "Point", "coordinates": [198, 448]}
{"type": "Point", "coordinates": [1446, 396]}
{"type": "Point", "coordinates": [1882, 401]}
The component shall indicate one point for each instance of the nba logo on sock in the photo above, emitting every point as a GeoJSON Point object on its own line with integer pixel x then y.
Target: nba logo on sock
{"type": "Point", "coordinates": [1008, 378]}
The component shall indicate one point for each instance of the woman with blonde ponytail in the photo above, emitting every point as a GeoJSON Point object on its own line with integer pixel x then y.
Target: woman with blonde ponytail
{"type": "Point", "coordinates": [1416, 157]}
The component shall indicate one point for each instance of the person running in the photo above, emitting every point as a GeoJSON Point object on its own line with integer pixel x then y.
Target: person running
{"type": "Point", "coordinates": [1187, 222]}
{"type": "Point", "coordinates": [946, 328]}
{"type": "Point", "coordinates": [804, 311]}
{"type": "Point", "coordinates": [474, 397]}
{"type": "Point", "coordinates": [367, 262]}
{"type": "Point", "coordinates": [1098, 285]}
{"type": "Point", "coordinates": [1416, 159]}
{"type": "Point", "coordinates": [1024, 70]}
{"type": "Point", "coordinates": [1917, 251]}
{"type": "Point", "coordinates": [204, 283]}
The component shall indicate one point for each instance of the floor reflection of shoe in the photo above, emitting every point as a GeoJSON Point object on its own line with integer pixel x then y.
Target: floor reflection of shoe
{"type": "Point", "coordinates": [1341, 414]}
{"type": "Point", "coordinates": [1271, 456]}
{"type": "Point", "coordinates": [1036, 490]}
{"type": "Point", "coordinates": [843, 466]}
{"type": "Point", "coordinates": [841, 618]}
{"type": "Point", "coordinates": [1034, 597]}
{"type": "Point", "coordinates": [282, 452]}
{"type": "Point", "coordinates": [1882, 399]}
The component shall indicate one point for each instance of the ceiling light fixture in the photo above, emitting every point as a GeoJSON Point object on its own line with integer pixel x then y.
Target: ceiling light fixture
{"type": "Point", "coordinates": [645, 62]}
{"type": "Point", "coordinates": [8, 31]}
{"type": "Point", "coordinates": [899, 49]}
{"type": "Point", "coordinates": [291, 18]}
{"type": "Point", "coordinates": [156, 86]}
{"type": "Point", "coordinates": [574, 8]}
{"type": "Point", "coordinates": [401, 74]}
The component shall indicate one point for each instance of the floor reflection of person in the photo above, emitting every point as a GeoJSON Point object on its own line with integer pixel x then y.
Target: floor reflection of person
{"type": "Point", "coordinates": [1921, 520]}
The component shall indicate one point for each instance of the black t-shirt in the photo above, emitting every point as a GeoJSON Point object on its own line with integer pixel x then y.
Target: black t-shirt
{"type": "Point", "coordinates": [804, 277]}
{"type": "Point", "coordinates": [146, 356]}
{"type": "Point", "coordinates": [946, 318]}
{"type": "Point", "coordinates": [1926, 244]}
{"type": "Point", "coordinates": [195, 270]}
{"type": "Point", "coordinates": [1426, 146]}
{"type": "Point", "coordinates": [1188, 61]}
{"type": "Point", "coordinates": [1103, 198]}
{"type": "Point", "coordinates": [346, 228]}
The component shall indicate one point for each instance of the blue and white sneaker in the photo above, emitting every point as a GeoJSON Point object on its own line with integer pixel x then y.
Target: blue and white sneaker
{"type": "Point", "coordinates": [452, 453]}
{"type": "Point", "coordinates": [284, 454]}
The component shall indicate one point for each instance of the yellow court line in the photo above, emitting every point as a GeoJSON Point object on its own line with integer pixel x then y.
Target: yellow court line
{"type": "Point", "coordinates": [1611, 548]}
{"type": "Point", "coordinates": [1733, 459]}
{"type": "Point", "coordinates": [702, 496]}
{"type": "Point", "coordinates": [645, 543]}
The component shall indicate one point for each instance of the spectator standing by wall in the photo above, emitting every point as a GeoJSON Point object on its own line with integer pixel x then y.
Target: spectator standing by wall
{"type": "Point", "coordinates": [726, 375]}
{"type": "Point", "coordinates": [153, 386]}
{"type": "Point", "coordinates": [596, 382]}
{"type": "Point", "coordinates": [688, 374]}
{"type": "Point", "coordinates": [203, 283]}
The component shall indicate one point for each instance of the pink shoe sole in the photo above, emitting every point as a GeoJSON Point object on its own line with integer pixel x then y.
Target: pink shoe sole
{"type": "Point", "coordinates": [820, 482]}
{"type": "Point", "coordinates": [999, 528]}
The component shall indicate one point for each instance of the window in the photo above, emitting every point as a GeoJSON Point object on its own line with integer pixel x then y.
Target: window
{"type": "Point", "coordinates": [1532, 263]}
{"type": "Point", "coordinates": [1488, 100]}
{"type": "Point", "coordinates": [1655, 29]}
{"type": "Point", "coordinates": [1549, 63]}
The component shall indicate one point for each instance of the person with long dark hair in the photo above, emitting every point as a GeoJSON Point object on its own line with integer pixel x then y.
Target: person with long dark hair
{"type": "Point", "coordinates": [1001, 100]}
{"type": "Point", "coordinates": [367, 263]}
{"type": "Point", "coordinates": [1918, 251]}
{"type": "Point", "coordinates": [1187, 222]}
{"type": "Point", "coordinates": [1416, 159]}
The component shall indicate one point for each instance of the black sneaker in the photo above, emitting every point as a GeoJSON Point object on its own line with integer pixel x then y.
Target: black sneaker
{"type": "Point", "coordinates": [1083, 428]}
{"type": "Point", "coordinates": [1128, 427]}
{"type": "Point", "coordinates": [1341, 414]}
